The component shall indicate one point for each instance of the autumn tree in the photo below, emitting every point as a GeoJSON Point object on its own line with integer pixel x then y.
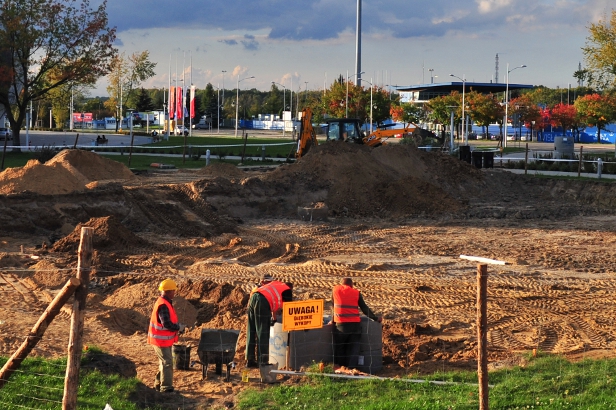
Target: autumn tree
{"type": "Point", "coordinates": [409, 113]}
{"type": "Point", "coordinates": [564, 116]}
{"type": "Point", "coordinates": [126, 75]}
{"type": "Point", "coordinates": [597, 111]}
{"type": "Point", "coordinates": [600, 53]}
{"type": "Point", "coordinates": [40, 36]}
{"type": "Point", "coordinates": [484, 109]}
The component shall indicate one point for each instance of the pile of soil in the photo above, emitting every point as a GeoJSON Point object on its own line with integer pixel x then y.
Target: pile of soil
{"type": "Point", "coordinates": [222, 169]}
{"type": "Point", "coordinates": [69, 171]}
{"type": "Point", "coordinates": [392, 180]}
{"type": "Point", "coordinates": [109, 235]}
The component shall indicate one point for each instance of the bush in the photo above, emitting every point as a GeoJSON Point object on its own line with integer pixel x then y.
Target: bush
{"type": "Point", "coordinates": [44, 154]}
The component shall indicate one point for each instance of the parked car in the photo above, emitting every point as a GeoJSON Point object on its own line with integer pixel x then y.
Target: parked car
{"type": "Point", "coordinates": [181, 130]}
{"type": "Point", "coordinates": [5, 133]}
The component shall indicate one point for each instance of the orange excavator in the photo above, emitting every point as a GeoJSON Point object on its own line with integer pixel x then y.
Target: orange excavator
{"type": "Point", "coordinates": [344, 129]}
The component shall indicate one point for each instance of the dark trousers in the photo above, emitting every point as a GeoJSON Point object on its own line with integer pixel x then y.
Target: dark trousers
{"type": "Point", "coordinates": [258, 328]}
{"type": "Point", "coordinates": [346, 347]}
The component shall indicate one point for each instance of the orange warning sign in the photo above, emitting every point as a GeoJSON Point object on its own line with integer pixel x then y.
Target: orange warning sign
{"type": "Point", "coordinates": [303, 314]}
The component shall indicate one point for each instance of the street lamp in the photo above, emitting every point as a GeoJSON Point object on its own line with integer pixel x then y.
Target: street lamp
{"type": "Point", "coordinates": [218, 107]}
{"type": "Point", "coordinates": [371, 87]}
{"type": "Point", "coordinates": [431, 75]}
{"type": "Point", "coordinates": [531, 129]}
{"type": "Point", "coordinates": [507, 102]}
{"type": "Point", "coordinates": [284, 104]}
{"type": "Point", "coordinates": [463, 102]}
{"type": "Point", "coordinates": [237, 100]}
{"type": "Point", "coordinates": [223, 87]}
{"type": "Point", "coordinates": [346, 113]}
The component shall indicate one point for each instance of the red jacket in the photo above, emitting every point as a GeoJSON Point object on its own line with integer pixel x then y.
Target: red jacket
{"type": "Point", "coordinates": [157, 334]}
{"type": "Point", "coordinates": [346, 304]}
{"type": "Point", "coordinates": [273, 293]}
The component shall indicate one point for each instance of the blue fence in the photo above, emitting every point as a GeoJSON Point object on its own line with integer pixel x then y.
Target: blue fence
{"type": "Point", "coordinates": [587, 135]}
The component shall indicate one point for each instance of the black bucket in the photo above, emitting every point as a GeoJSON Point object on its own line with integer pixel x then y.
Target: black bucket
{"type": "Point", "coordinates": [181, 357]}
{"type": "Point", "coordinates": [477, 158]}
{"type": "Point", "coordinates": [488, 159]}
{"type": "Point", "coordinates": [465, 153]}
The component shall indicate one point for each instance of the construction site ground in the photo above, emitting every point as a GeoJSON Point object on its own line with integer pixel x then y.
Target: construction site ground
{"type": "Point", "coordinates": [398, 221]}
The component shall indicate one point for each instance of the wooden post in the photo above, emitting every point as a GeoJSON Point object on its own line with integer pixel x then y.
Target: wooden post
{"type": "Point", "coordinates": [526, 160]}
{"type": "Point", "coordinates": [75, 343]}
{"type": "Point", "coordinates": [38, 330]}
{"type": "Point", "coordinates": [76, 139]}
{"type": "Point", "coordinates": [482, 335]}
{"type": "Point", "coordinates": [580, 163]}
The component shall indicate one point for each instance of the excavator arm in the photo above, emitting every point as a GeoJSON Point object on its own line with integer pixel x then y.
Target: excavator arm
{"type": "Point", "coordinates": [378, 137]}
{"type": "Point", "coordinates": [307, 136]}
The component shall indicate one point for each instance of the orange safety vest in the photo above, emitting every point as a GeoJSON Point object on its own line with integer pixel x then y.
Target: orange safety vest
{"type": "Point", "coordinates": [273, 293]}
{"type": "Point", "coordinates": [157, 334]}
{"type": "Point", "coordinates": [346, 308]}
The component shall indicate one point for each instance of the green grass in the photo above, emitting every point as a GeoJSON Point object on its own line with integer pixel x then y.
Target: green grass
{"type": "Point", "coordinates": [39, 384]}
{"type": "Point", "coordinates": [545, 382]}
{"type": "Point", "coordinates": [140, 162]}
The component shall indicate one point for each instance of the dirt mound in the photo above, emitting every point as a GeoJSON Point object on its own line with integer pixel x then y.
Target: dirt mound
{"type": "Point", "coordinates": [92, 166]}
{"type": "Point", "coordinates": [69, 171]}
{"type": "Point", "coordinates": [221, 169]}
{"type": "Point", "coordinates": [109, 235]}
{"type": "Point", "coordinates": [392, 180]}
{"type": "Point", "coordinates": [42, 179]}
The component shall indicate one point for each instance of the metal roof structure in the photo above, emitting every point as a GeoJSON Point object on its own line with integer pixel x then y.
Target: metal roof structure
{"type": "Point", "coordinates": [424, 92]}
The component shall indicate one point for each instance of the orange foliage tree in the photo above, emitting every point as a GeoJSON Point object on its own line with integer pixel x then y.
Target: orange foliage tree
{"type": "Point", "coordinates": [597, 111]}
{"type": "Point", "coordinates": [40, 37]}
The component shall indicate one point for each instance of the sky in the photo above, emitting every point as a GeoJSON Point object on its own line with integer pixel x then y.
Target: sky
{"type": "Point", "coordinates": [308, 44]}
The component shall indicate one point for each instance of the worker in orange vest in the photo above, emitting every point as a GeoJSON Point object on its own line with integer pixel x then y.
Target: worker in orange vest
{"type": "Point", "coordinates": [163, 333]}
{"type": "Point", "coordinates": [264, 305]}
{"type": "Point", "coordinates": [347, 330]}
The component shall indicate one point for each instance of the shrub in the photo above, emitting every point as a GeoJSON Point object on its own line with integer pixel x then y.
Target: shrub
{"type": "Point", "coordinates": [44, 154]}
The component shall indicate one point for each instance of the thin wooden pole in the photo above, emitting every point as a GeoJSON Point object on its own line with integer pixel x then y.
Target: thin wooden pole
{"type": "Point", "coordinates": [75, 343]}
{"type": "Point", "coordinates": [526, 160]}
{"type": "Point", "coordinates": [580, 163]}
{"type": "Point", "coordinates": [482, 335]}
{"type": "Point", "coordinates": [38, 330]}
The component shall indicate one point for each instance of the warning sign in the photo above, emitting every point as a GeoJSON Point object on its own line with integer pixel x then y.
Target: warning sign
{"type": "Point", "coordinates": [303, 314]}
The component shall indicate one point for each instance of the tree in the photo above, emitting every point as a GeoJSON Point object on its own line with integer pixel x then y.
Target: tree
{"type": "Point", "coordinates": [564, 116]}
{"type": "Point", "coordinates": [144, 101]}
{"type": "Point", "coordinates": [410, 113]}
{"type": "Point", "coordinates": [596, 110]}
{"type": "Point", "coordinates": [125, 75]}
{"type": "Point", "coordinates": [600, 53]}
{"type": "Point", "coordinates": [484, 109]}
{"type": "Point", "coordinates": [41, 36]}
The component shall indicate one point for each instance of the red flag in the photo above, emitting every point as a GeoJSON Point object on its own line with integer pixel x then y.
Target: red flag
{"type": "Point", "coordinates": [179, 112]}
{"type": "Point", "coordinates": [171, 103]}
{"type": "Point", "coordinates": [192, 101]}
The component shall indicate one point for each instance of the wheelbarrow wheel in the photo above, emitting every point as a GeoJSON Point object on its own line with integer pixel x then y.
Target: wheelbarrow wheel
{"type": "Point", "coordinates": [218, 368]}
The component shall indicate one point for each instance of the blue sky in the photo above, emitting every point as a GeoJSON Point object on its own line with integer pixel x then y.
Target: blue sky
{"type": "Point", "coordinates": [311, 42]}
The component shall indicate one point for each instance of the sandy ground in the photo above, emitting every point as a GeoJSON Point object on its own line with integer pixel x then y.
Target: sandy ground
{"type": "Point", "coordinates": [398, 221]}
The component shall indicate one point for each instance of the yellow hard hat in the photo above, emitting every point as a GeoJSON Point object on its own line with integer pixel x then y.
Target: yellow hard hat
{"type": "Point", "coordinates": [168, 284]}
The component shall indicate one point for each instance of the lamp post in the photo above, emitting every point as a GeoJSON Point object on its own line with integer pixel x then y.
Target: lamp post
{"type": "Point", "coordinates": [218, 107]}
{"type": "Point", "coordinates": [237, 100]}
{"type": "Point", "coordinates": [132, 138]}
{"type": "Point", "coordinates": [346, 105]}
{"type": "Point", "coordinates": [507, 102]}
{"type": "Point", "coordinates": [284, 104]}
{"type": "Point", "coordinates": [223, 87]}
{"type": "Point", "coordinates": [371, 87]}
{"type": "Point", "coordinates": [531, 129]}
{"type": "Point", "coordinates": [431, 75]}
{"type": "Point", "coordinates": [463, 102]}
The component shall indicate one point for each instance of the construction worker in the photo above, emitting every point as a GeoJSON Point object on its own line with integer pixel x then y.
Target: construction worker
{"type": "Point", "coordinates": [163, 333]}
{"type": "Point", "coordinates": [347, 330]}
{"type": "Point", "coordinates": [265, 279]}
{"type": "Point", "coordinates": [263, 306]}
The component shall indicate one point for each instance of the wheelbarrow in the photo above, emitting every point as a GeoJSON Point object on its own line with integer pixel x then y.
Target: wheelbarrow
{"type": "Point", "coordinates": [217, 347]}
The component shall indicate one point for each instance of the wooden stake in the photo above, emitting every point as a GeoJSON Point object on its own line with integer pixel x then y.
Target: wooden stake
{"type": "Point", "coordinates": [526, 160]}
{"type": "Point", "coordinates": [75, 343]}
{"type": "Point", "coordinates": [482, 335]}
{"type": "Point", "coordinates": [580, 163]}
{"type": "Point", "coordinates": [38, 330]}
{"type": "Point", "coordinates": [76, 139]}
